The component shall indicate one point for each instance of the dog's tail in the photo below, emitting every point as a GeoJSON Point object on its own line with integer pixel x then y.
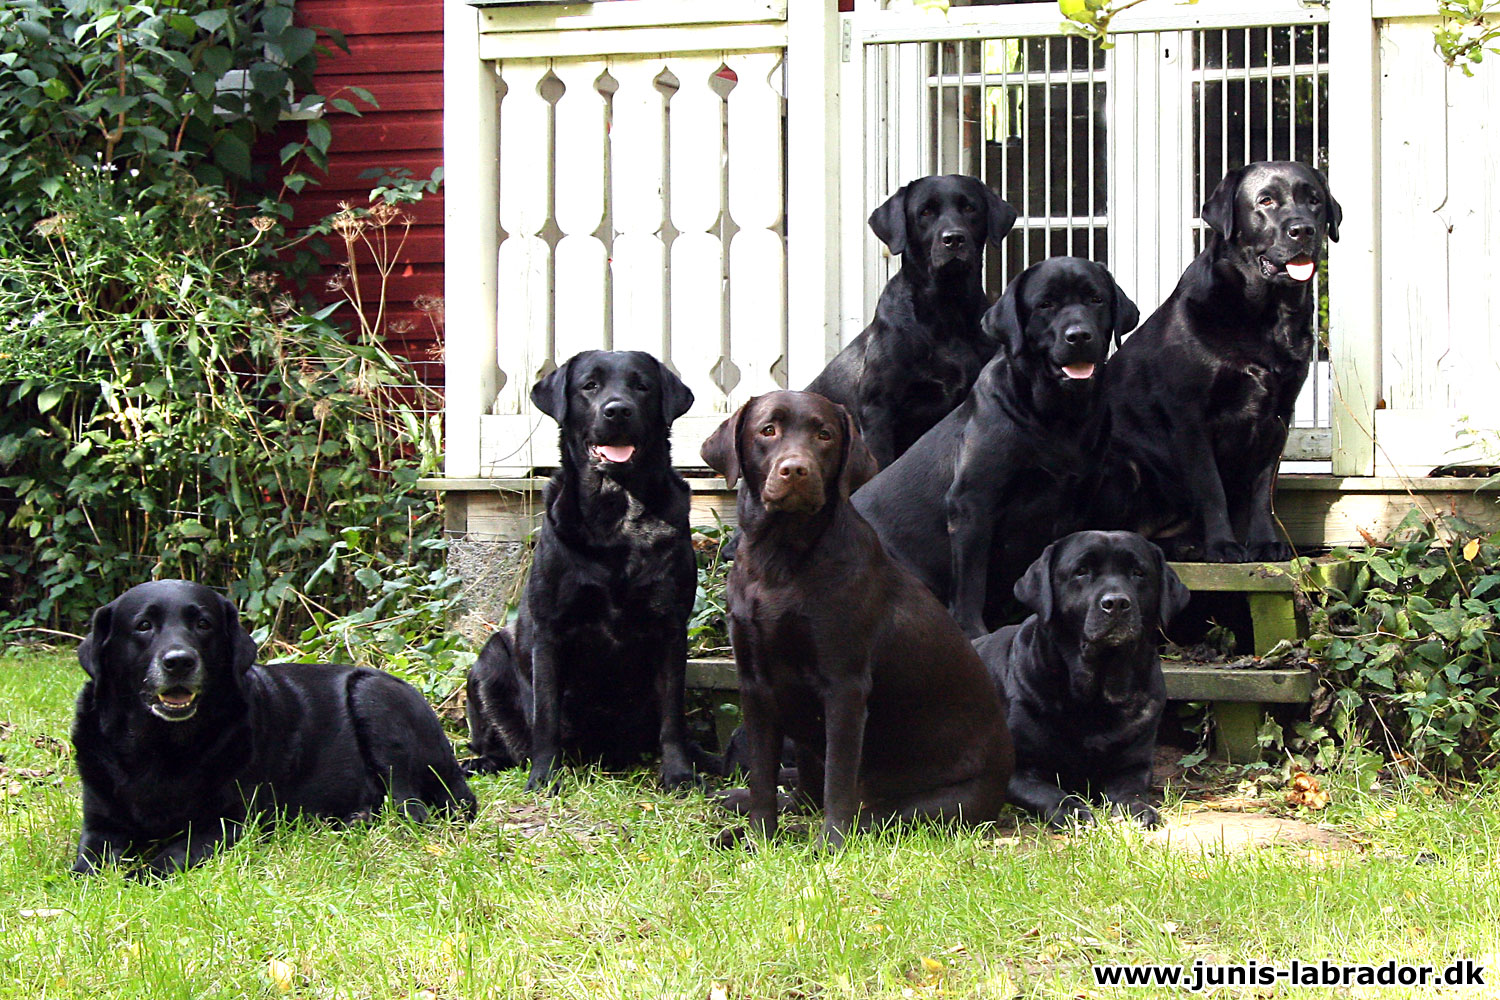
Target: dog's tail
{"type": "Point", "coordinates": [499, 735]}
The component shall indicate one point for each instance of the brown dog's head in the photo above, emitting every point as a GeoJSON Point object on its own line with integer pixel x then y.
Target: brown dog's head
{"type": "Point", "coordinates": [797, 451]}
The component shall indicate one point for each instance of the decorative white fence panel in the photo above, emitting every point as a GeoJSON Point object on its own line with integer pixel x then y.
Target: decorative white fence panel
{"type": "Point", "coordinates": [1106, 154]}
{"type": "Point", "coordinates": [641, 206]}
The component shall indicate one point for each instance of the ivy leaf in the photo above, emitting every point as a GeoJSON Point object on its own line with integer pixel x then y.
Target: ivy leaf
{"type": "Point", "coordinates": [1383, 569]}
{"type": "Point", "coordinates": [48, 398]}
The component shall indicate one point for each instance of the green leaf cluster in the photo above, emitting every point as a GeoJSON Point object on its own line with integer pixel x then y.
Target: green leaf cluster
{"type": "Point", "coordinates": [1411, 651]}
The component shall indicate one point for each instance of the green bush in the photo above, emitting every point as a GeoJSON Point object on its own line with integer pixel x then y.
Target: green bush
{"type": "Point", "coordinates": [1412, 651]}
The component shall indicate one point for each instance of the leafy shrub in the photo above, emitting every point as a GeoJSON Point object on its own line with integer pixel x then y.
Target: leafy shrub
{"type": "Point", "coordinates": [179, 86]}
{"type": "Point", "coordinates": [1412, 651]}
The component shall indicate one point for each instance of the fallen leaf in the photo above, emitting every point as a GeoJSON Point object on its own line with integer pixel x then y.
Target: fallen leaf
{"type": "Point", "coordinates": [1471, 549]}
{"type": "Point", "coordinates": [932, 965]}
{"type": "Point", "coordinates": [40, 914]}
{"type": "Point", "coordinates": [1304, 790]}
{"type": "Point", "coordinates": [280, 974]}
{"type": "Point", "coordinates": [718, 992]}
{"type": "Point", "coordinates": [436, 850]}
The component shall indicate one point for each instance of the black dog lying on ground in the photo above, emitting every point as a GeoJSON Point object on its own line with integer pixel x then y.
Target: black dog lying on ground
{"type": "Point", "coordinates": [182, 739]}
{"type": "Point", "coordinates": [594, 667]}
{"type": "Point", "coordinates": [924, 348]}
{"type": "Point", "coordinates": [1081, 676]}
{"type": "Point", "coordinates": [974, 501]}
{"type": "Point", "coordinates": [838, 647]}
{"type": "Point", "coordinates": [1201, 397]}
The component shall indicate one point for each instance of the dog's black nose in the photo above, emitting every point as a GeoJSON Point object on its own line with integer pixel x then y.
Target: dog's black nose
{"type": "Point", "coordinates": [1301, 230]}
{"type": "Point", "coordinates": [618, 409]}
{"type": "Point", "coordinates": [1115, 603]}
{"type": "Point", "coordinates": [954, 238]}
{"type": "Point", "coordinates": [179, 661]}
{"type": "Point", "coordinates": [1078, 335]}
{"type": "Point", "coordinates": [792, 468]}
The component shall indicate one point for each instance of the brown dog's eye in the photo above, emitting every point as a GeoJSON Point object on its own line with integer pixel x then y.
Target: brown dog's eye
{"type": "Point", "coordinates": [1267, 202]}
{"type": "Point", "coordinates": [204, 625]}
{"type": "Point", "coordinates": [768, 431]}
{"type": "Point", "coordinates": [825, 434]}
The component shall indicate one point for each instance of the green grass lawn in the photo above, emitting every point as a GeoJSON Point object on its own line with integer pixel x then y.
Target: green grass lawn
{"type": "Point", "coordinates": [613, 890]}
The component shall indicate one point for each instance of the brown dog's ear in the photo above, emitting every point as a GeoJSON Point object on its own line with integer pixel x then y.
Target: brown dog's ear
{"type": "Point", "coordinates": [859, 462]}
{"type": "Point", "coordinates": [1218, 211]}
{"type": "Point", "coordinates": [676, 397]}
{"type": "Point", "coordinates": [1034, 589]}
{"type": "Point", "coordinates": [550, 394]}
{"type": "Point", "coordinates": [1333, 211]}
{"type": "Point", "coordinates": [91, 650]}
{"type": "Point", "coordinates": [1000, 217]}
{"type": "Point", "coordinates": [241, 646]}
{"type": "Point", "coordinates": [721, 449]}
{"type": "Point", "coordinates": [1174, 593]}
{"type": "Point", "coordinates": [889, 221]}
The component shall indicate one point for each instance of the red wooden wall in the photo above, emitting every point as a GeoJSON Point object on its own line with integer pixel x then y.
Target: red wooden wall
{"type": "Point", "coordinates": [396, 53]}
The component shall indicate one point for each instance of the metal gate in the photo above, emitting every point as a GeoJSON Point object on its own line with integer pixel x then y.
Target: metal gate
{"type": "Point", "coordinates": [1105, 153]}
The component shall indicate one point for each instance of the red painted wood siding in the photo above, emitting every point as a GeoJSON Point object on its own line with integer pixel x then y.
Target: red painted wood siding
{"type": "Point", "coordinates": [396, 53]}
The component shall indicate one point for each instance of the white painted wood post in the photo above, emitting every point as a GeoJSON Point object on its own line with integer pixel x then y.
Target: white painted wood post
{"type": "Point", "coordinates": [813, 202]}
{"type": "Point", "coordinates": [1354, 262]}
{"type": "Point", "coordinates": [471, 183]}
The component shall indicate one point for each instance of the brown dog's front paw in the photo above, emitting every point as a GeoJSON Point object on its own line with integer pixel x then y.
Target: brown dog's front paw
{"type": "Point", "coordinates": [732, 837]}
{"type": "Point", "coordinates": [1071, 812]}
{"type": "Point", "coordinates": [736, 800]}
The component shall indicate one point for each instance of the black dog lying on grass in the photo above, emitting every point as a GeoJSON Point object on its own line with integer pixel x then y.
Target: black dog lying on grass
{"type": "Point", "coordinates": [182, 739]}
{"type": "Point", "coordinates": [838, 647]}
{"type": "Point", "coordinates": [1081, 676]}
{"type": "Point", "coordinates": [594, 667]}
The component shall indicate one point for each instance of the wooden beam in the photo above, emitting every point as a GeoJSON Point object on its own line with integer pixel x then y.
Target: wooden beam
{"type": "Point", "coordinates": [1354, 262]}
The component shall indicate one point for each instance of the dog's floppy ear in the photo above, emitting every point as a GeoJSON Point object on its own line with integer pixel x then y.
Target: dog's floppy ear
{"type": "Point", "coordinates": [859, 465]}
{"type": "Point", "coordinates": [676, 397]}
{"type": "Point", "coordinates": [1002, 322]}
{"type": "Point", "coordinates": [1127, 316]}
{"type": "Point", "coordinates": [550, 394]}
{"type": "Point", "coordinates": [91, 650]}
{"type": "Point", "coordinates": [1218, 211]}
{"type": "Point", "coordinates": [242, 648]}
{"type": "Point", "coordinates": [1001, 215]}
{"type": "Point", "coordinates": [721, 449]}
{"type": "Point", "coordinates": [1174, 593]}
{"type": "Point", "coordinates": [1333, 212]}
{"type": "Point", "coordinates": [889, 221]}
{"type": "Point", "coordinates": [1034, 589]}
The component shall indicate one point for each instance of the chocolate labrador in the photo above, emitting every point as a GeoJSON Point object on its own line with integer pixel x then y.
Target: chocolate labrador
{"type": "Point", "coordinates": [594, 666]}
{"type": "Point", "coordinates": [924, 348]}
{"type": "Point", "coordinates": [974, 501]}
{"type": "Point", "coordinates": [838, 647]}
{"type": "Point", "coordinates": [1200, 398]}
{"type": "Point", "coordinates": [182, 739]}
{"type": "Point", "coordinates": [1081, 677]}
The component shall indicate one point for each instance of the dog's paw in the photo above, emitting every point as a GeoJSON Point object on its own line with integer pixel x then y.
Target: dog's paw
{"type": "Point", "coordinates": [680, 780]}
{"type": "Point", "coordinates": [548, 782]}
{"type": "Point", "coordinates": [1271, 552]}
{"type": "Point", "coordinates": [735, 800]}
{"type": "Point", "coordinates": [732, 837]}
{"type": "Point", "coordinates": [1071, 812]}
{"type": "Point", "coordinates": [1225, 551]}
{"type": "Point", "coordinates": [1142, 812]}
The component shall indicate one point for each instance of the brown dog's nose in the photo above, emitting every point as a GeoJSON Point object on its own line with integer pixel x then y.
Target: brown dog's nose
{"type": "Point", "coordinates": [1114, 603]}
{"type": "Point", "coordinates": [794, 467]}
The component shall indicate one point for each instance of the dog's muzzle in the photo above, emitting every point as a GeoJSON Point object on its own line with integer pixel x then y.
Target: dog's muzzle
{"type": "Point", "coordinates": [173, 683]}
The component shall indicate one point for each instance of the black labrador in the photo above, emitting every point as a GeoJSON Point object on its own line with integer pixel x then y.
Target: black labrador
{"type": "Point", "coordinates": [1081, 677]}
{"type": "Point", "coordinates": [974, 501]}
{"type": "Point", "coordinates": [838, 647]}
{"type": "Point", "coordinates": [594, 666]}
{"type": "Point", "coordinates": [182, 739]}
{"type": "Point", "coordinates": [924, 348]}
{"type": "Point", "coordinates": [1201, 397]}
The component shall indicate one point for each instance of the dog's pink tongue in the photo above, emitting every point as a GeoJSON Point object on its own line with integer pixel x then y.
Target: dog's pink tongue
{"type": "Point", "coordinates": [1301, 272]}
{"type": "Point", "coordinates": [617, 452]}
{"type": "Point", "coordinates": [1079, 371]}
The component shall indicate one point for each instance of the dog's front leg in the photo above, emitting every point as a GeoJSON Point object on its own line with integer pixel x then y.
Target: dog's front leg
{"type": "Point", "coordinates": [676, 765]}
{"type": "Point", "coordinates": [1262, 540]}
{"type": "Point", "coordinates": [1205, 494]}
{"type": "Point", "coordinates": [194, 847]}
{"type": "Point", "coordinates": [98, 846]}
{"type": "Point", "coordinates": [763, 731]}
{"type": "Point", "coordinates": [1126, 792]}
{"type": "Point", "coordinates": [971, 514]}
{"type": "Point", "coordinates": [546, 727]}
{"type": "Point", "coordinates": [1060, 809]}
{"type": "Point", "coordinates": [845, 708]}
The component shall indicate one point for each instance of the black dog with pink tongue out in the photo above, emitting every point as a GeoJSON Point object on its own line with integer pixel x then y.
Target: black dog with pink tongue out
{"type": "Point", "coordinates": [594, 666]}
{"type": "Point", "coordinates": [977, 498]}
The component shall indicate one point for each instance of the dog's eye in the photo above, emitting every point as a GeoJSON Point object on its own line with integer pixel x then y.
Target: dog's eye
{"type": "Point", "coordinates": [768, 431]}
{"type": "Point", "coordinates": [967, 209]}
{"type": "Point", "coordinates": [144, 625]}
{"type": "Point", "coordinates": [926, 213]}
{"type": "Point", "coordinates": [1097, 300]}
{"type": "Point", "coordinates": [590, 385]}
{"type": "Point", "coordinates": [1267, 202]}
{"type": "Point", "coordinates": [203, 625]}
{"type": "Point", "coordinates": [1044, 304]}
{"type": "Point", "coordinates": [825, 434]}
